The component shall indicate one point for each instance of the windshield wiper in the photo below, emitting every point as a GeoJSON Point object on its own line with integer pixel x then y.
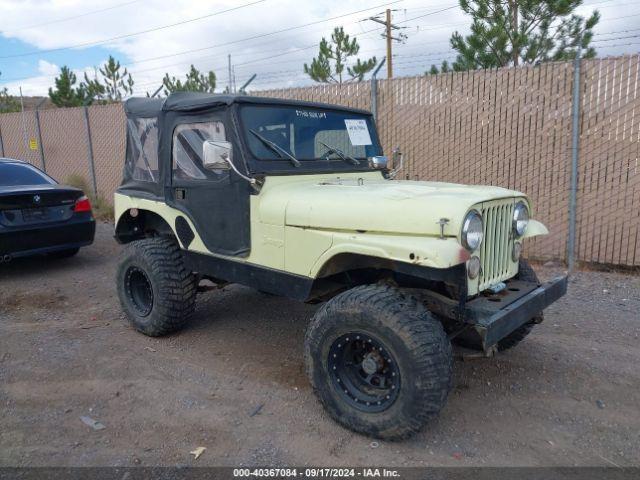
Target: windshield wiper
{"type": "Point", "coordinates": [276, 148]}
{"type": "Point", "coordinates": [340, 153]}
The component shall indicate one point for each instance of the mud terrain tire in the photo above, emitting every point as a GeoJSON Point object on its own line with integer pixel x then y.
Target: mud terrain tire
{"type": "Point", "coordinates": [411, 349]}
{"type": "Point", "coordinates": [156, 291]}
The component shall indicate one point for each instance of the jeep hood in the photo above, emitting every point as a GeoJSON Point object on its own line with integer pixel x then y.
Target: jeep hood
{"type": "Point", "coordinates": [378, 205]}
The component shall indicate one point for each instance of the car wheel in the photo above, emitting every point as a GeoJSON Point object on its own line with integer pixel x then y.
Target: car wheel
{"type": "Point", "coordinates": [64, 253]}
{"type": "Point", "coordinates": [156, 291]}
{"type": "Point", "coordinates": [379, 362]}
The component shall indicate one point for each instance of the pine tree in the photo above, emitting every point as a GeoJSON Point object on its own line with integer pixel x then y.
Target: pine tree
{"type": "Point", "coordinates": [8, 103]}
{"type": "Point", "coordinates": [515, 32]}
{"type": "Point", "coordinates": [194, 82]}
{"type": "Point", "coordinates": [92, 90]}
{"type": "Point", "coordinates": [116, 84]}
{"type": "Point", "coordinates": [65, 93]}
{"type": "Point", "coordinates": [333, 57]}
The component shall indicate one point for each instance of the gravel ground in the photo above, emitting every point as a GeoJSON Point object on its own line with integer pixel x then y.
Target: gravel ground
{"type": "Point", "coordinates": [233, 381]}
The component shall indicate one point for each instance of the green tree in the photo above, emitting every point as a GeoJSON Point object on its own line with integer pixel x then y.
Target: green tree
{"type": "Point", "coordinates": [194, 82]}
{"type": "Point", "coordinates": [8, 103]}
{"type": "Point", "coordinates": [92, 90]}
{"type": "Point", "coordinates": [516, 32]}
{"type": "Point", "coordinates": [444, 68]}
{"type": "Point", "coordinates": [66, 94]}
{"type": "Point", "coordinates": [333, 57]}
{"type": "Point", "coordinates": [116, 84]}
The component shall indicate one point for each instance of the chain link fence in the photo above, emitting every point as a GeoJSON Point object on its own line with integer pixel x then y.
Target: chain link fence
{"type": "Point", "coordinates": [508, 127]}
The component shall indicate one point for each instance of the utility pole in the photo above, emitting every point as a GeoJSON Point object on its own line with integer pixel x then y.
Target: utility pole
{"type": "Point", "coordinates": [230, 74]}
{"type": "Point", "coordinates": [514, 28]}
{"type": "Point", "coordinates": [388, 33]}
{"type": "Point", "coordinates": [390, 38]}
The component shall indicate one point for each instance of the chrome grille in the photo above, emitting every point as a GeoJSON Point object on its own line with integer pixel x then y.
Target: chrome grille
{"type": "Point", "coordinates": [495, 251]}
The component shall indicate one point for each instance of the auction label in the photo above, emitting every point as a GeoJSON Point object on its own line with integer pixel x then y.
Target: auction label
{"type": "Point", "coordinates": [316, 472]}
{"type": "Point", "coordinates": [358, 132]}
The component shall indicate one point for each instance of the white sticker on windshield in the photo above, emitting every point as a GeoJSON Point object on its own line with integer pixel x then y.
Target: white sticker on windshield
{"type": "Point", "coordinates": [358, 132]}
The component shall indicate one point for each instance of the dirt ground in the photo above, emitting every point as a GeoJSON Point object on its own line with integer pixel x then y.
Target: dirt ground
{"type": "Point", "coordinates": [233, 381]}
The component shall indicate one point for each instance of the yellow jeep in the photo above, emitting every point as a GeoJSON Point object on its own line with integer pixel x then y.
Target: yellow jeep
{"type": "Point", "coordinates": [296, 199]}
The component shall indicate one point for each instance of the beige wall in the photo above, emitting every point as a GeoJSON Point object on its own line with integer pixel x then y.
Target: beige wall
{"type": "Point", "coordinates": [508, 127]}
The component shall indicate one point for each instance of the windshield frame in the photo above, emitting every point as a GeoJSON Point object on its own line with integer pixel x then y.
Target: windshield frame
{"type": "Point", "coordinates": [275, 165]}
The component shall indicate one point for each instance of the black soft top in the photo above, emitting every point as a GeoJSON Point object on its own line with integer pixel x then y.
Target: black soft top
{"type": "Point", "coordinates": [150, 126]}
{"type": "Point", "coordinates": [140, 107]}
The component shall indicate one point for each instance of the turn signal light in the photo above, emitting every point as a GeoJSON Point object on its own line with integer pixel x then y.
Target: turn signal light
{"type": "Point", "coordinates": [82, 205]}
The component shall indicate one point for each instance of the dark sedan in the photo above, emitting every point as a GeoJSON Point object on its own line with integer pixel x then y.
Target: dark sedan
{"type": "Point", "coordinates": [40, 216]}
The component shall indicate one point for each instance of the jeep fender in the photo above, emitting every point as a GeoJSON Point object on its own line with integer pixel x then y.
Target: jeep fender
{"type": "Point", "coordinates": [535, 228]}
{"type": "Point", "coordinates": [421, 251]}
{"type": "Point", "coordinates": [152, 216]}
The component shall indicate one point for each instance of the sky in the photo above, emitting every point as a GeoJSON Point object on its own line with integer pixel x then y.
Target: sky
{"type": "Point", "coordinates": [271, 38]}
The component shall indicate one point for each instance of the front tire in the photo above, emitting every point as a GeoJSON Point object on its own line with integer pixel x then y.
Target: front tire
{"type": "Point", "coordinates": [379, 362]}
{"type": "Point", "coordinates": [156, 291]}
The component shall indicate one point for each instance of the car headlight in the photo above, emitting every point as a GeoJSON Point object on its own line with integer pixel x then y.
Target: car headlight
{"type": "Point", "coordinates": [472, 231]}
{"type": "Point", "coordinates": [520, 219]}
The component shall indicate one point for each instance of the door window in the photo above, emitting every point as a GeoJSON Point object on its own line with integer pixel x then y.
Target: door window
{"type": "Point", "coordinates": [142, 161]}
{"type": "Point", "coordinates": [187, 148]}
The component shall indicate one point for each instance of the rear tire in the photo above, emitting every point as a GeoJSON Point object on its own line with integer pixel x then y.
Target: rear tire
{"type": "Point", "coordinates": [378, 361]}
{"type": "Point", "coordinates": [156, 291]}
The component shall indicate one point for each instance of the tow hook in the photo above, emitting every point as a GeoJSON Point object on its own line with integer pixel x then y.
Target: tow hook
{"type": "Point", "coordinates": [497, 288]}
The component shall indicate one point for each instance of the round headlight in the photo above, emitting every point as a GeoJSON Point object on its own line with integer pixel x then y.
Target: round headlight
{"type": "Point", "coordinates": [520, 219]}
{"type": "Point", "coordinates": [472, 231]}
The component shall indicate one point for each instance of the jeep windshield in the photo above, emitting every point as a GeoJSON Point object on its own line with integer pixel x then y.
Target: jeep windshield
{"type": "Point", "coordinates": [309, 134]}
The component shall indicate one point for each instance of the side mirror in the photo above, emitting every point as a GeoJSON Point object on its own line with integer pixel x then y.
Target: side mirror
{"type": "Point", "coordinates": [378, 162]}
{"type": "Point", "coordinates": [216, 155]}
{"type": "Point", "coordinates": [397, 163]}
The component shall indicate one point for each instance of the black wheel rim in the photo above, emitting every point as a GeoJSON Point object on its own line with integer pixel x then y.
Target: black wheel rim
{"type": "Point", "coordinates": [139, 291]}
{"type": "Point", "coordinates": [364, 372]}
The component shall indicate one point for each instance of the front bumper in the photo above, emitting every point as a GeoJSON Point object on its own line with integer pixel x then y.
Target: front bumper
{"type": "Point", "coordinates": [496, 316]}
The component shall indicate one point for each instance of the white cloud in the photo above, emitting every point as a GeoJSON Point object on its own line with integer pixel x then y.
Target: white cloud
{"type": "Point", "coordinates": [47, 68]}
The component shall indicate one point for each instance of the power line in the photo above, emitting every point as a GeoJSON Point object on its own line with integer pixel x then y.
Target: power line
{"type": "Point", "coordinates": [621, 45]}
{"type": "Point", "coordinates": [256, 60]}
{"type": "Point", "coordinates": [615, 38]}
{"type": "Point", "coordinates": [241, 40]}
{"type": "Point", "coordinates": [257, 36]}
{"type": "Point", "coordinates": [620, 18]}
{"type": "Point", "coordinates": [429, 14]}
{"type": "Point", "coordinates": [210, 56]}
{"type": "Point", "coordinates": [404, 61]}
{"type": "Point", "coordinates": [128, 35]}
{"type": "Point", "coordinates": [254, 37]}
{"type": "Point", "coordinates": [618, 31]}
{"type": "Point", "coordinates": [210, 46]}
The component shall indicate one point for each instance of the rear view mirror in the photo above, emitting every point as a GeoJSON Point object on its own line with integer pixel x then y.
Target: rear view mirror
{"type": "Point", "coordinates": [216, 155]}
